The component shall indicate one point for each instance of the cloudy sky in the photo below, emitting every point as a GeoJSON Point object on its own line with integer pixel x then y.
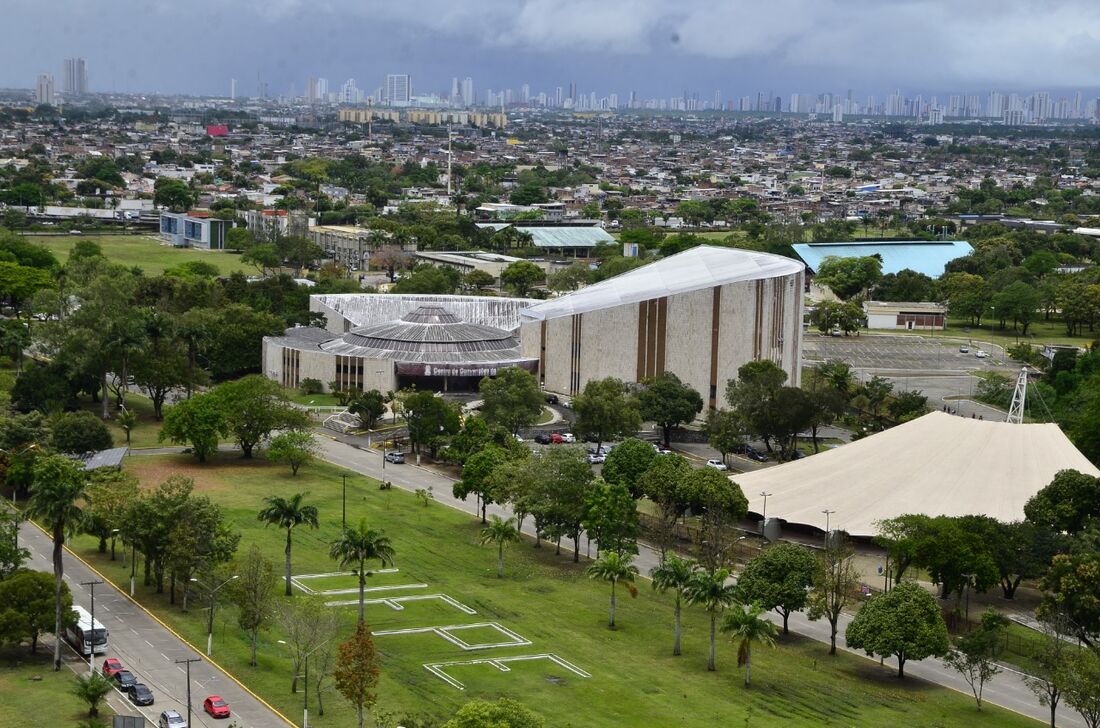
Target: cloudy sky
{"type": "Point", "coordinates": [653, 47]}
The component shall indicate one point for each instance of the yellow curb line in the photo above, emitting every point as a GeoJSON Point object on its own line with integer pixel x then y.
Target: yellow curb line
{"type": "Point", "coordinates": [174, 633]}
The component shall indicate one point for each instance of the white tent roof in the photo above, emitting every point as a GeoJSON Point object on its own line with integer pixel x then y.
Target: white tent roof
{"type": "Point", "coordinates": [938, 464]}
{"type": "Point", "coordinates": [704, 266]}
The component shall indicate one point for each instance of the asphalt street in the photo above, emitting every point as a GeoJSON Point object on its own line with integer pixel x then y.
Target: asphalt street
{"type": "Point", "coordinates": [1007, 689]}
{"type": "Point", "coordinates": [148, 649]}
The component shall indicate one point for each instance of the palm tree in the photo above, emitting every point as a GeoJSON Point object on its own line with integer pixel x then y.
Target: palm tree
{"type": "Point", "coordinates": [710, 591]}
{"type": "Point", "coordinates": [92, 689]}
{"type": "Point", "coordinates": [58, 487]}
{"type": "Point", "coordinates": [615, 567]}
{"type": "Point", "coordinates": [288, 513]}
{"type": "Point", "coordinates": [500, 532]}
{"type": "Point", "coordinates": [357, 546]}
{"type": "Point", "coordinates": [674, 575]}
{"type": "Point", "coordinates": [746, 626]}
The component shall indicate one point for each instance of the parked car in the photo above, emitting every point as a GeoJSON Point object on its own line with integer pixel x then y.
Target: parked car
{"type": "Point", "coordinates": [397, 458]}
{"type": "Point", "coordinates": [140, 694]}
{"type": "Point", "coordinates": [551, 399]}
{"type": "Point", "coordinates": [753, 454]}
{"type": "Point", "coordinates": [171, 719]}
{"type": "Point", "coordinates": [568, 438]}
{"type": "Point", "coordinates": [964, 349]}
{"type": "Point", "coordinates": [661, 449]}
{"type": "Point", "coordinates": [556, 439]}
{"type": "Point", "coordinates": [216, 707]}
{"type": "Point", "coordinates": [110, 666]}
{"type": "Point", "coordinates": [980, 354]}
{"type": "Point", "coordinates": [717, 465]}
{"type": "Point", "coordinates": [596, 459]}
{"type": "Point", "coordinates": [604, 450]}
{"type": "Point", "coordinates": [542, 439]}
{"type": "Point", "coordinates": [125, 679]}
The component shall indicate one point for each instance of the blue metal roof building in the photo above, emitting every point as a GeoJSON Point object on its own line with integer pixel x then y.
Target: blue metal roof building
{"type": "Point", "coordinates": [927, 257]}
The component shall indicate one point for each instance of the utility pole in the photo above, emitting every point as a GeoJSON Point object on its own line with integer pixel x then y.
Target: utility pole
{"type": "Point", "coordinates": [133, 566]}
{"type": "Point", "coordinates": [187, 663]}
{"type": "Point", "coordinates": [344, 503]}
{"type": "Point", "coordinates": [91, 651]}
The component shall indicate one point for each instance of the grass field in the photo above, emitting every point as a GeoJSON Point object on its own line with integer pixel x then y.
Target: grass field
{"type": "Point", "coordinates": [1039, 333]}
{"type": "Point", "coordinates": [32, 694]}
{"type": "Point", "coordinates": [143, 251]}
{"type": "Point", "coordinates": [544, 599]}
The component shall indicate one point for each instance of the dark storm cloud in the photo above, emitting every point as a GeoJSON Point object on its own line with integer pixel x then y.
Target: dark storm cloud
{"type": "Point", "coordinates": [653, 46]}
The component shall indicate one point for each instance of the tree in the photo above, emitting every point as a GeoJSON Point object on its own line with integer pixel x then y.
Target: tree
{"type": "Point", "coordinates": [288, 513]}
{"type": "Point", "coordinates": [974, 658]}
{"type": "Point", "coordinates": [27, 607]}
{"type": "Point", "coordinates": [355, 547]}
{"type": "Point", "coordinates": [368, 407]}
{"type": "Point", "coordinates": [254, 407]}
{"type": "Point", "coordinates": [614, 567]}
{"type": "Point", "coordinates": [265, 257]}
{"type": "Point", "coordinates": [835, 580]}
{"type": "Point", "coordinates": [296, 448]}
{"type": "Point", "coordinates": [669, 403]}
{"type": "Point", "coordinates": [1049, 661]}
{"type": "Point", "coordinates": [109, 493]}
{"type": "Point", "coordinates": [779, 579]}
{"type": "Point", "coordinates": [477, 476]}
{"type": "Point", "coordinates": [479, 279]}
{"type": "Point", "coordinates": [12, 555]}
{"type": "Point", "coordinates": [719, 504]}
{"type": "Point", "coordinates": [710, 591]}
{"type": "Point", "coordinates": [847, 277]}
{"type": "Point", "coordinates": [1070, 588]}
{"type": "Point", "coordinates": [830, 315]}
{"type": "Point", "coordinates": [511, 399]}
{"type": "Point", "coordinates": [1081, 685]}
{"type": "Point", "coordinates": [665, 483]}
{"type": "Point", "coordinates": [356, 672]}
{"type": "Point", "coordinates": [59, 485]}
{"type": "Point", "coordinates": [92, 688]}
{"type": "Point", "coordinates": [173, 194]}
{"type": "Point", "coordinates": [127, 420]}
{"type": "Point", "coordinates": [626, 464]}
{"type": "Point", "coordinates": [499, 532]}
{"type": "Point", "coordinates": [604, 411]}
{"type": "Point", "coordinates": [200, 540]}
{"type": "Point", "coordinates": [1017, 301]}
{"type": "Point", "coordinates": [746, 627]}
{"type": "Point", "coordinates": [306, 624]}
{"type": "Point", "coordinates": [80, 432]}
{"type": "Point", "coordinates": [199, 422]}
{"type": "Point", "coordinates": [673, 575]}
{"type": "Point", "coordinates": [239, 238]}
{"type": "Point", "coordinates": [502, 713]}
{"type": "Point", "coordinates": [254, 594]}
{"type": "Point", "coordinates": [1067, 504]}
{"type": "Point", "coordinates": [521, 276]}
{"type": "Point", "coordinates": [753, 397]}
{"type": "Point", "coordinates": [724, 431]}
{"type": "Point", "coordinates": [429, 419]}
{"type": "Point", "coordinates": [611, 517]}
{"type": "Point", "coordinates": [569, 278]}
{"type": "Point", "coordinates": [904, 623]}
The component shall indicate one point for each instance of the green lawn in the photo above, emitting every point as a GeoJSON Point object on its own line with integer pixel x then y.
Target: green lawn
{"type": "Point", "coordinates": [545, 599]}
{"type": "Point", "coordinates": [315, 400]}
{"type": "Point", "coordinates": [32, 694]}
{"type": "Point", "coordinates": [1039, 333]}
{"type": "Point", "coordinates": [144, 251]}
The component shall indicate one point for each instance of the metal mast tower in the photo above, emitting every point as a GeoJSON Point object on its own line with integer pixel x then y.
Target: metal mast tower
{"type": "Point", "coordinates": [1019, 398]}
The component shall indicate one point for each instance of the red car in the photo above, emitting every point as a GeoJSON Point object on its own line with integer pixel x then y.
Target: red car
{"type": "Point", "coordinates": [111, 666]}
{"type": "Point", "coordinates": [556, 439]}
{"type": "Point", "coordinates": [216, 707]}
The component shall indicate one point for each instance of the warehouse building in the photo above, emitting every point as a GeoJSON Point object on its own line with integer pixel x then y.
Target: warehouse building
{"type": "Point", "coordinates": [700, 314]}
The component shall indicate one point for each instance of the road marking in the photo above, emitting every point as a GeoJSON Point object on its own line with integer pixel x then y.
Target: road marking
{"type": "Point", "coordinates": [148, 642]}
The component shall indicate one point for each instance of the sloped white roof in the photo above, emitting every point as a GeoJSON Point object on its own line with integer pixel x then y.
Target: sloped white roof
{"type": "Point", "coordinates": [938, 464]}
{"type": "Point", "coordinates": [704, 266]}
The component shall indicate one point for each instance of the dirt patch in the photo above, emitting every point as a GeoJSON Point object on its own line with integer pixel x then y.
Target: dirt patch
{"type": "Point", "coordinates": [215, 475]}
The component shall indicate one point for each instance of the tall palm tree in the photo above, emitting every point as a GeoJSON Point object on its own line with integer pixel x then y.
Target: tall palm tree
{"type": "Point", "coordinates": [358, 545]}
{"type": "Point", "coordinates": [615, 567]}
{"type": "Point", "coordinates": [710, 591]}
{"type": "Point", "coordinates": [288, 513]}
{"type": "Point", "coordinates": [500, 532]}
{"type": "Point", "coordinates": [58, 488]}
{"type": "Point", "coordinates": [746, 627]}
{"type": "Point", "coordinates": [674, 575]}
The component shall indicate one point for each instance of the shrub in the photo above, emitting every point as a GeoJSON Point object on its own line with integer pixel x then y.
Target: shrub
{"type": "Point", "coordinates": [311, 386]}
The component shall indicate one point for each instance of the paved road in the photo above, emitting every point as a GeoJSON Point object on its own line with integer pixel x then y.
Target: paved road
{"type": "Point", "coordinates": [1007, 689]}
{"type": "Point", "coordinates": [149, 650]}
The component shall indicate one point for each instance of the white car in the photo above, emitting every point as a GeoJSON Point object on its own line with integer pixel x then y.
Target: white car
{"type": "Point", "coordinates": [568, 438]}
{"type": "Point", "coordinates": [171, 719]}
{"type": "Point", "coordinates": [717, 465]}
{"type": "Point", "coordinates": [595, 459]}
{"type": "Point", "coordinates": [980, 354]}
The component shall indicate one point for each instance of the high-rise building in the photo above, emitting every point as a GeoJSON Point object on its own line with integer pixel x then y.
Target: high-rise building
{"type": "Point", "coordinates": [398, 90]}
{"type": "Point", "coordinates": [525, 93]}
{"type": "Point", "coordinates": [558, 96]}
{"type": "Point", "coordinates": [312, 96]}
{"type": "Point", "coordinates": [76, 76]}
{"type": "Point", "coordinates": [455, 94]}
{"type": "Point", "coordinates": [44, 91]}
{"type": "Point", "coordinates": [468, 91]}
{"type": "Point", "coordinates": [232, 89]}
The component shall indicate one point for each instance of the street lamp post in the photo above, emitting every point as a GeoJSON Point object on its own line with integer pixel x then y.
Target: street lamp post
{"type": "Point", "coordinates": [133, 566]}
{"type": "Point", "coordinates": [210, 616]}
{"type": "Point", "coordinates": [344, 502]}
{"type": "Point", "coordinates": [827, 513]}
{"type": "Point", "coordinates": [764, 515]}
{"type": "Point", "coordinates": [114, 535]}
{"type": "Point", "coordinates": [305, 678]}
{"type": "Point", "coordinates": [91, 651]}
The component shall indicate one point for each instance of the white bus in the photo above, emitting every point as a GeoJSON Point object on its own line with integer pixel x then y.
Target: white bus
{"type": "Point", "coordinates": [84, 633]}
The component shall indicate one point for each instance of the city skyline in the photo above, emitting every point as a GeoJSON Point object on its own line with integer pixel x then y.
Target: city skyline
{"type": "Point", "coordinates": [651, 47]}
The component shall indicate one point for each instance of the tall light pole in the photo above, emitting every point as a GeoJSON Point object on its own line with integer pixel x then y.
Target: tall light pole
{"type": "Point", "coordinates": [827, 513]}
{"type": "Point", "coordinates": [133, 566]}
{"type": "Point", "coordinates": [764, 515]}
{"type": "Point", "coordinates": [305, 679]}
{"type": "Point", "coordinates": [114, 535]}
{"type": "Point", "coordinates": [344, 502]}
{"type": "Point", "coordinates": [188, 662]}
{"type": "Point", "coordinates": [91, 651]}
{"type": "Point", "coordinates": [210, 617]}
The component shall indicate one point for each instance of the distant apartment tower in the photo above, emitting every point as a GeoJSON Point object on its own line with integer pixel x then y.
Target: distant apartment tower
{"type": "Point", "coordinates": [76, 76]}
{"type": "Point", "coordinates": [398, 90]}
{"type": "Point", "coordinates": [467, 91]}
{"type": "Point", "coordinates": [43, 93]}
